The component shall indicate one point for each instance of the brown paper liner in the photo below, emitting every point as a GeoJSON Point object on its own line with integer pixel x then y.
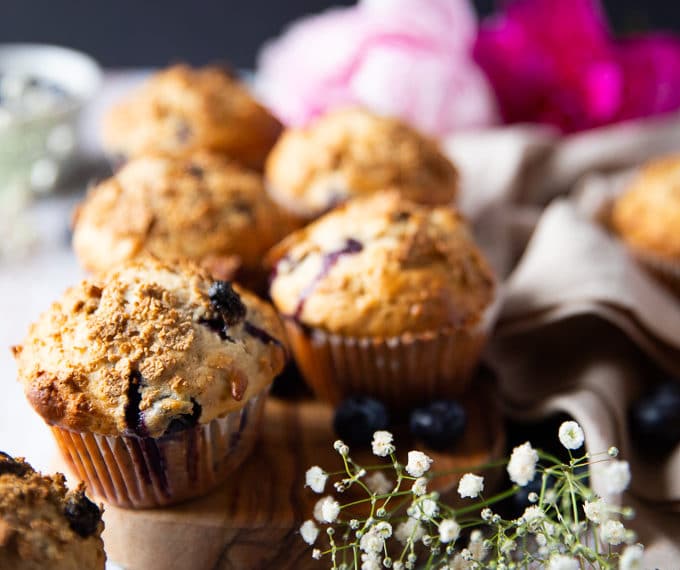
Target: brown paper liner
{"type": "Point", "coordinates": [400, 371]}
{"type": "Point", "coordinates": [144, 472]}
{"type": "Point", "coordinates": [664, 270]}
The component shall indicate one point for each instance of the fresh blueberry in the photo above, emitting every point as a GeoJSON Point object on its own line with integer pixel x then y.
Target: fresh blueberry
{"type": "Point", "coordinates": [358, 417]}
{"type": "Point", "coordinates": [439, 425]}
{"type": "Point", "coordinates": [227, 302]}
{"type": "Point", "coordinates": [655, 419]}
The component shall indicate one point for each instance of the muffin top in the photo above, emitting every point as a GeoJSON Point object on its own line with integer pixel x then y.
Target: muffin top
{"type": "Point", "coordinates": [647, 215]}
{"type": "Point", "coordinates": [180, 110]}
{"type": "Point", "coordinates": [204, 208]}
{"type": "Point", "coordinates": [43, 524]}
{"type": "Point", "coordinates": [352, 152]}
{"type": "Point", "coordinates": [382, 266]}
{"type": "Point", "coordinates": [147, 349]}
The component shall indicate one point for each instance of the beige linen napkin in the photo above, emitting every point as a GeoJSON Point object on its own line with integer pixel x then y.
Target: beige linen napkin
{"type": "Point", "coordinates": [581, 326]}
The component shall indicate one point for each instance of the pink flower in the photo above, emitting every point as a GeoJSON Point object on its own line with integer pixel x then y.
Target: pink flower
{"type": "Point", "coordinates": [572, 72]}
{"type": "Point", "coordinates": [408, 58]}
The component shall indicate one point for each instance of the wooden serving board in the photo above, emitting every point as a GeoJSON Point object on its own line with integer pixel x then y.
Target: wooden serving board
{"type": "Point", "coordinates": [252, 521]}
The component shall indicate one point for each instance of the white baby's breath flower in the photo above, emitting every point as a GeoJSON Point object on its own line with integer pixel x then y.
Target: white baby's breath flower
{"type": "Point", "coordinates": [486, 514]}
{"type": "Point", "coordinates": [378, 483]}
{"type": "Point", "coordinates": [383, 528]}
{"type": "Point", "coordinates": [341, 448]}
{"type": "Point", "coordinates": [370, 561]}
{"type": "Point", "coordinates": [316, 554]}
{"type": "Point", "coordinates": [315, 479]}
{"type": "Point", "coordinates": [616, 475]}
{"type": "Point", "coordinates": [563, 562]}
{"type": "Point", "coordinates": [470, 486]}
{"type": "Point", "coordinates": [371, 542]}
{"type": "Point", "coordinates": [326, 509]}
{"type": "Point", "coordinates": [533, 516]}
{"type": "Point", "coordinates": [411, 530]}
{"type": "Point", "coordinates": [596, 511]}
{"type": "Point", "coordinates": [309, 532]}
{"type": "Point", "coordinates": [631, 557]}
{"type": "Point", "coordinates": [522, 464]}
{"type": "Point", "coordinates": [382, 443]}
{"type": "Point", "coordinates": [449, 531]}
{"type": "Point", "coordinates": [419, 487]}
{"type": "Point", "coordinates": [571, 435]}
{"type": "Point", "coordinates": [426, 509]}
{"type": "Point", "coordinates": [613, 532]}
{"type": "Point", "coordinates": [418, 463]}
{"type": "Point", "coordinates": [477, 545]}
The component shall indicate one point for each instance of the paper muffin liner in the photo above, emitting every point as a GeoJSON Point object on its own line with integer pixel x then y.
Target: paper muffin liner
{"type": "Point", "coordinates": [144, 472]}
{"type": "Point", "coordinates": [400, 371]}
{"type": "Point", "coordinates": [665, 270]}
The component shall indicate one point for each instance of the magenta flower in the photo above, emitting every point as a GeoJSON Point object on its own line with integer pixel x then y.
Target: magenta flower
{"type": "Point", "coordinates": [407, 58]}
{"type": "Point", "coordinates": [556, 62]}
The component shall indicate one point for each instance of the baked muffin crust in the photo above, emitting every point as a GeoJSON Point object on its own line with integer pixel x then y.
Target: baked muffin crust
{"type": "Point", "coordinates": [647, 215]}
{"type": "Point", "coordinates": [352, 152]}
{"type": "Point", "coordinates": [204, 208]}
{"type": "Point", "coordinates": [382, 266]}
{"type": "Point", "coordinates": [149, 348]}
{"type": "Point", "coordinates": [43, 524]}
{"type": "Point", "coordinates": [182, 109]}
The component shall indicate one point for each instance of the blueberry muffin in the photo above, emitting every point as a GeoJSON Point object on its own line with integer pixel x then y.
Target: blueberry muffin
{"type": "Point", "coordinates": [647, 217]}
{"type": "Point", "coordinates": [203, 208]}
{"type": "Point", "coordinates": [43, 524]}
{"type": "Point", "coordinates": [181, 110]}
{"type": "Point", "coordinates": [352, 152]}
{"type": "Point", "coordinates": [384, 297]}
{"type": "Point", "coordinates": [153, 379]}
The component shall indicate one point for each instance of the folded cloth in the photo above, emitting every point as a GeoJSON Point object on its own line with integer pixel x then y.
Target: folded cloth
{"type": "Point", "coordinates": [581, 331]}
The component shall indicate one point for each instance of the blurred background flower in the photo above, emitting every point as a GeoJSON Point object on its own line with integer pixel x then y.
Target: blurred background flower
{"type": "Point", "coordinates": [407, 58]}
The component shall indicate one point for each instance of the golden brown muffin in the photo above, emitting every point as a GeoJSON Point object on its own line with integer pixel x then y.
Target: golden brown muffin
{"type": "Point", "coordinates": [203, 208]}
{"type": "Point", "coordinates": [385, 298]}
{"type": "Point", "coordinates": [181, 110]}
{"type": "Point", "coordinates": [647, 215]}
{"type": "Point", "coordinates": [352, 152]}
{"type": "Point", "coordinates": [381, 266]}
{"type": "Point", "coordinates": [146, 345]}
{"type": "Point", "coordinates": [153, 378]}
{"type": "Point", "coordinates": [43, 524]}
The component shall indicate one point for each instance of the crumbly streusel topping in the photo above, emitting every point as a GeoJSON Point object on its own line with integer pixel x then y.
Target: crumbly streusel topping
{"type": "Point", "coordinates": [383, 266]}
{"type": "Point", "coordinates": [147, 348]}
{"type": "Point", "coordinates": [352, 152]}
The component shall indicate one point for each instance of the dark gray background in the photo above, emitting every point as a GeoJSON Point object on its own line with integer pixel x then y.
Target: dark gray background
{"type": "Point", "coordinates": [150, 33]}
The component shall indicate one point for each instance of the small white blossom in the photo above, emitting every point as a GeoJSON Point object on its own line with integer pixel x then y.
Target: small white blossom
{"type": "Point", "coordinates": [419, 487]}
{"type": "Point", "coordinates": [631, 557]}
{"type": "Point", "coordinates": [596, 511]}
{"type": "Point", "coordinates": [522, 464]}
{"type": "Point", "coordinates": [316, 554]}
{"type": "Point", "coordinates": [378, 483]}
{"type": "Point", "coordinates": [383, 528]}
{"type": "Point", "coordinates": [562, 562]}
{"type": "Point", "coordinates": [370, 561]}
{"type": "Point", "coordinates": [309, 532]}
{"type": "Point", "coordinates": [382, 443]}
{"type": "Point", "coordinates": [616, 474]}
{"type": "Point", "coordinates": [371, 542]}
{"type": "Point", "coordinates": [486, 514]}
{"type": "Point", "coordinates": [418, 463]}
{"type": "Point", "coordinates": [613, 532]}
{"type": "Point", "coordinates": [341, 448]}
{"type": "Point", "coordinates": [613, 451]}
{"type": "Point", "coordinates": [470, 486]}
{"type": "Point", "coordinates": [533, 516]}
{"type": "Point", "coordinates": [571, 435]}
{"type": "Point", "coordinates": [426, 509]}
{"type": "Point", "coordinates": [449, 531]}
{"type": "Point", "coordinates": [411, 530]}
{"type": "Point", "coordinates": [315, 479]}
{"type": "Point", "coordinates": [398, 565]}
{"type": "Point", "coordinates": [328, 509]}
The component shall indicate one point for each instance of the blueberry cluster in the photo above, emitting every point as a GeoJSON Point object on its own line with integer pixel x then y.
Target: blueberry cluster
{"type": "Point", "coordinates": [438, 425]}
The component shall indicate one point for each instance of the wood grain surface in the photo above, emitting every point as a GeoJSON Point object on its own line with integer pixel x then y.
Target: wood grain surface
{"type": "Point", "coordinates": [251, 521]}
